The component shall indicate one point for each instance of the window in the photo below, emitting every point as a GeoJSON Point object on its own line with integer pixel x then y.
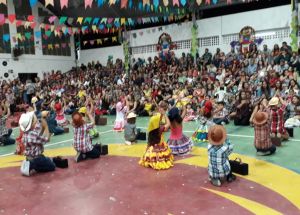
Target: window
{"type": "Point", "coordinates": [27, 41]}
{"type": "Point", "coordinates": [5, 46]}
{"type": "Point", "coordinates": [56, 45]}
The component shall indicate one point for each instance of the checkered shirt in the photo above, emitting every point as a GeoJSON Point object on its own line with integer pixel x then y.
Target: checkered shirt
{"type": "Point", "coordinates": [218, 161]}
{"type": "Point", "coordinates": [277, 120]}
{"type": "Point", "coordinates": [82, 139]}
{"type": "Point", "coordinates": [3, 129]}
{"type": "Point", "coordinates": [262, 138]}
{"type": "Point", "coordinates": [34, 142]}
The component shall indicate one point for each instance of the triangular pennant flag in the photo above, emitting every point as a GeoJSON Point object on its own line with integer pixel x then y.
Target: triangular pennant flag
{"type": "Point", "coordinates": [166, 2]}
{"type": "Point", "coordinates": [215, 1]}
{"type": "Point", "coordinates": [88, 20]}
{"type": "Point", "coordinates": [92, 42]}
{"type": "Point", "coordinates": [85, 42]}
{"type": "Point", "coordinates": [124, 3]}
{"type": "Point", "coordinates": [38, 34]}
{"type": "Point", "coordinates": [110, 20]}
{"type": "Point", "coordinates": [95, 21]}
{"type": "Point", "coordinates": [130, 4]}
{"type": "Point", "coordinates": [207, 1]}
{"type": "Point", "coordinates": [46, 27]}
{"type": "Point", "coordinates": [100, 2]}
{"type": "Point", "coordinates": [103, 20]}
{"type": "Point", "coordinates": [183, 2]}
{"type": "Point", "coordinates": [117, 22]}
{"type": "Point", "coordinates": [51, 19]}
{"type": "Point", "coordinates": [32, 25]}
{"type": "Point", "coordinates": [101, 27]}
{"type": "Point", "coordinates": [70, 20]}
{"type": "Point", "coordinates": [199, 2]}
{"type": "Point", "coordinates": [94, 27]}
{"type": "Point", "coordinates": [19, 23]}
{"type": "Point", "coordinates": [229, 2]}
{"type": "Point", "coordinates": [99, 41]}
{"type": "Point", "coordinates": [50, 46]}
{"type": "Point", "coordinates": [175, 2]}
{"type": "Point", "coordinates": [56, 46]}
{"type": "Point", "coordinates": [11, 18]}
{"type": "Point", "coordinates": [48, 33]}
{"type": "Point", "coordinates": [2, 19]}
{"type": "Point", "coordinates": [28, 35]}
{"type": "Point", "coordinates": [63, 45]}
{"type": "Point", "coordinates": [33, 3]}
{"type": "Point", "coordinates": [156, 3]}
{"type": "Point", "coordinates": [30, 18]}
{"type": "Point", "coordinates": [47, 2]}
{"type": "Point", "coordinates": [146, 2]}
{"type": "Point", "coordinates": [45, 36]}
{"type": "Point", "coordinates": [19, 36]}
{"type": "Point", "coordinates": [52, 28]}
{"type": "Point", "coordinates": [27, 24]}
{"type": "Point", "coordinates": [64, 3]}
{"type": "Point", "coordinates": [111, 2]}
{"type": "Point", "coordinates": [88, 3]}
{"type": "Point", "coordinates": [114, 39]}
{"type": "Point", "coordinates": [62, 20]}
{"type": "Point", "coordinates": [84, 28]}
{"type": "Point", "coordinates": [3, 2]}
{"type": "Point", "coordinates": [79, 20]}
{"type": "Point", "coordinates": [6, 37]}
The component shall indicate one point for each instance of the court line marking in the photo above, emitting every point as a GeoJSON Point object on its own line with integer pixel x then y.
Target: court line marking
{"type": "Point", "coordinates": [52, 144]}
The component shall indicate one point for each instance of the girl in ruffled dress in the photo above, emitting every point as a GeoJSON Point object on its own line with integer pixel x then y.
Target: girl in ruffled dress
{"type": "Point", "coordinates": [158, 155]}
{"type": "Point", "coordinates": [190, 113]}
{"type": "Point", "coordinates": [205, 122]}
{"type": "Point", "coordinates": [178, 142]}
{"type": "Point", "coordinates": [121, 110]}
{"type": "Point", "coordinates": [60, 114]}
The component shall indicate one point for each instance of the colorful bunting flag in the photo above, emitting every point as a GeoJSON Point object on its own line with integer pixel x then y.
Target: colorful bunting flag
{"type": "Point", "coordinates": [51, 19]}
{"type": "Point", "coordinates": [79, 20]}
{"type": "Point", "coordinates": [124, 3]}
{"type": "Point", "coordinates": [3, 2]}
{"type": "Point", "coordinates": [30, 18]}
{"type": "Point", "coordinates": [95, 21]}
{"type": "Point", "coordinates": [166, 2]}
{"type": "Point", "coordinates": [64, 3]}
{"type": "Point", "coordinates": [2, 19]}
{"type": "Point", "coordinates": [88, 3]}
{"type": "Point", "coordinates": [100, 3]}
{"type": "Point", "coordinates": [6, 37]}
{"type": "Point", "coordinates": [19, 23]}
{"type": "Point", "coordinates": [114, 39]}
{"type": "Point", "coordinates": [88, 20]}
{"type": "Point", "coordinates": [199, 2]}
{"type": "Point", "coordinates": [38, 34]}
{"type": "Point", "coordinates": [28, 35]}
{"type": "Point", "coordinates": [32, 3]}
{"type": "Point", "coordinates": [47, 2]}
{"type": "Point", "coordinates": [62, 20]}
{"type": "Point", "coordinates": [111, 2]}
{"type": "Point", "coordinates": [32, 25]}
{"type": "Point", "coordinates": [11, 18]}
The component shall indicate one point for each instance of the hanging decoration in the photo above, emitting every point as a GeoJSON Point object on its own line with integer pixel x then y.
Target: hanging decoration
{"type": "Point", "coordinates": [294, 25]}
{"type": "Point", "coordinates": [165, 46]}
{"type": "Point", "coordinates": [126, 55]}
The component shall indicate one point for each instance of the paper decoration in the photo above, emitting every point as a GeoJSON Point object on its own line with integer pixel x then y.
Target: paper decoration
{"type": "Point", "coordinates": [28, 35]}
{"type": "Point", "coordinates": [64, 3]}
{"type": "Point", "coordinates": [183, 2]}
{"type": "Point", "coordinates": [166, 2]}
{"type": "Point", "coordinates": [50, 46]}
{"type": "Point", "coordinates": [11, 18]}
{"type": "Point", "coordinates": [99, 41]}
{"type": "Point", "coordinates": [146, 2]}
{"type": "Point", "coordinates": [49, 2]}
{"type": "Point", "coordinates": [30, 18]}
{"type": "Point", "coordinates": [3, 2]}
{"type": "Point", "coordinates": [52, 19]}
{"type": "Point", "coordinates": [79, 20]}
{"type": "Point", "coordinates": [114, 39]}
{"type": "Point", "coordinates": [32, 25]}
{"type": "Point", "coordinates": [175, 2]}
{"type": "Point", "coordinates": [88, 3]}
{"type": "Point", "coordinates": [124, 3]}
{"type": "Point", "coordinates": [38, 34]}
{"type": "Point", "coordinates": [95, 21]}
{"type": "Point", "coordinates": [19, 23]}
{"type": "Point", "coordinates": [32, 3]}
{"type": "Point", "coordinates": [2, 19]}
{"type": "Point", "coordinates": [215, 1]}
{"type": "Point", "coordinates": [111, 2]}
{"type": "Point", "coordinates": [62, 20]}
{"type": "Point", "coordinates": [229, 1]}
{"type": "Point", "coordinates": [88, 20]}
{"type": "Point", "coordinates": [207, 1]}
{"type": "Point", "coordinates": [100, 3]}
{"type": "Point", "coordinates": [199, 2]}
{"type": "Point", "coordinates": [6, 37]}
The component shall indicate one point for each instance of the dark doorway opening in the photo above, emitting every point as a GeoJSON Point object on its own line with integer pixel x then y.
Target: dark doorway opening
{"type": "Point", "coordinates": [27, 76]}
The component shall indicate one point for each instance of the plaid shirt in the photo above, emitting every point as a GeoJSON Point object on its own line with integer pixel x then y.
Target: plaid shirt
{"type": "Point", "coordinates": [262, 138]}
{"type": "Point", "coordinates": [277, 120]}
{"type": "Point", "coordinates": [3, 129]}
{"type": "Point", "coordinates": [82, 138]}
{"type": "Point", "coordinates": [218, 162]}
{"type": "Point", "coordinates": [34, 142]}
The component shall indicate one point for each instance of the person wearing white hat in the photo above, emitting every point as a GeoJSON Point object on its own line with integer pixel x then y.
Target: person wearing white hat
{"type": "Point", "coordinates": [130, 131]}
{"type": "Point", "coordinates": [5, 134]}
{"type": "Point", "coordinates": [34, 143]}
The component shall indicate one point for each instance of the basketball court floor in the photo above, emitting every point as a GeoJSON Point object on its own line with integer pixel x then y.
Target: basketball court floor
{"type": "Point", "coordinates": [116, 184]}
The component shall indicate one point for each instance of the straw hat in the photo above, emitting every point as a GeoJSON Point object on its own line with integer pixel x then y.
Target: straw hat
{"type": "Point", "coordinates": [131, 115]}
{"type": "Point", "coordinates": [83, 110]}
{"type": "Point", "coordinates": [34, 100]}
{"type": "Point", "coordinates": [274, 101]}
{"type": "Point", "coordinates": [217, 135]}
{"type": "Point", "coordinates": [260, 118]}
{"type": "Point", "coordinates": [26, 120]}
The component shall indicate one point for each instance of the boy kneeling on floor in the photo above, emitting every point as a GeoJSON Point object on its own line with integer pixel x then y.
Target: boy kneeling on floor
{"type": "Point", "coordinates": [219, 148]}
{"type": "Point", "coordinates": [36, 135]}
{"type": "Point", "coordinates": [82, 139]}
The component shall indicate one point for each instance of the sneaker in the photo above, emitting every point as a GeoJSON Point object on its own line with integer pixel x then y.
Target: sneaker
{"type": "Point", "coordinates": [215, 182]}
{"type": "Point", "coordinates": [79, 157]}
{"type": "Point", "coordinates": [25, 168]}
{"type": "Point", "coordinates": [128, 143]}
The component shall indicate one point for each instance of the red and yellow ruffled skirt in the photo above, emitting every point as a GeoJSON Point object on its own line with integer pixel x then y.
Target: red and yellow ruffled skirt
{"type": "Point", "coordinates": [158, 157]}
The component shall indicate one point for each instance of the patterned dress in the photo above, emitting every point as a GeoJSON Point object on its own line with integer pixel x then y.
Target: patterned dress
{"type": "Point", "coordinates": [178, 142]}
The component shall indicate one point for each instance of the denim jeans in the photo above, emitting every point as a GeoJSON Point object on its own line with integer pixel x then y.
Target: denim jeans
{"type": "Point", "coordinates": [41, 164]}
{"type": "Point", "coordinates": [6, 139]}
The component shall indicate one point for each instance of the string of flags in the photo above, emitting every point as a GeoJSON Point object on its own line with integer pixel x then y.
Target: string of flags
{"type": "Point", "coordinates": [88, 24]}
{"type": "Point", "coordinates": [144, 5]}
{"type": "Point", "coordinates": [100, 41]}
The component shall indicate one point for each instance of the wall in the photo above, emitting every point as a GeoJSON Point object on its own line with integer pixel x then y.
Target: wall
{"type": "Point", "coordinates": [101, 54]}
{"type": "Point", "coordinates": [217, 31]}
{"type": "Point", "coordinates": [37, 63]}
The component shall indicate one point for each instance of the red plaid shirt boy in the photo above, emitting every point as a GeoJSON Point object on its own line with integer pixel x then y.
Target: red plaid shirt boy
{"type": "Point", "coordinates": [82, 140]}
{"type": "Point", "coordinates": [277, 120]}
{"type": "Point", "coordinates": [262, 138]}
{"type": "Point", "coordinates": [34, 142]}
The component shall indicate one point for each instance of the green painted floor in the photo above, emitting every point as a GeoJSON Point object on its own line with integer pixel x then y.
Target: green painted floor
{"type": "Point", "coordinates": [242, 137]}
